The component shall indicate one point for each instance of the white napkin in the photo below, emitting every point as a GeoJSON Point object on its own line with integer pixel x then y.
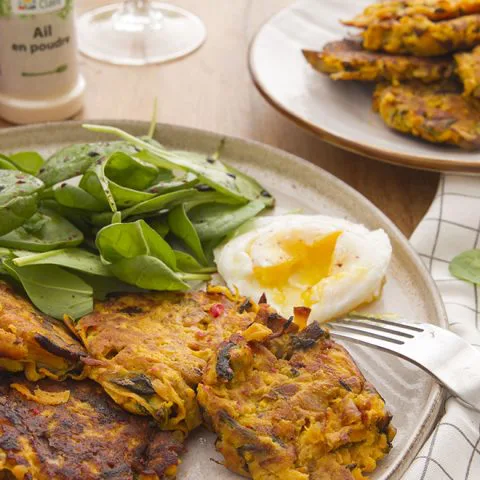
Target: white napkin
{"type": "Point", "coordinates": [451, 226]}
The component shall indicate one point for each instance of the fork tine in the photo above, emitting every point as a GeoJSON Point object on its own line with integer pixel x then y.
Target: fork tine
{"type": "Point", "coordinates": [365, 341]}
{"type": "Point", "coordinates": [361, 340]}
{"type": "Point", "coordinates": [373, 325]}
{"type": "Point", "coordinates": [392, 323]}
{"type": "Point", "coordinates": [365, 337]}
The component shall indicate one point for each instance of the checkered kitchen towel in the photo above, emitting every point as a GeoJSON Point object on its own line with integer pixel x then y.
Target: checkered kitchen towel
{"type": "Point", "coordinates": [451, 226]}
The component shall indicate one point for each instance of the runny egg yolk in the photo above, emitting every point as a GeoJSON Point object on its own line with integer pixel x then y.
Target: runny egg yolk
{"type": "Point", "coordinates": [310, 263]}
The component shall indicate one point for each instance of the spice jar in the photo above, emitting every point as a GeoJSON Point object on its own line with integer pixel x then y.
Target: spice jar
{"type": "Point", "coordinates": [39, 77]}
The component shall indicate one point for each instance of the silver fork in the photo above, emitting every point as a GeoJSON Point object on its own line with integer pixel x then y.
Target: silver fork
{"type": "Point", "coordinates": [447, 357]}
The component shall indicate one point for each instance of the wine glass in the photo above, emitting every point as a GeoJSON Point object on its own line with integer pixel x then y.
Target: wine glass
{"type": "Point", "coordinates": [139, 32]}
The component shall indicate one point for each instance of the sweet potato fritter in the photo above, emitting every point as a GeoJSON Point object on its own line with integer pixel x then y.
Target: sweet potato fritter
{"type": "Point", "coordinates": [420, 36]}
{"type": "Point", "coordinates": [32, 342]}
{"type": "Point", "coordinates": [294, 407]}
{"type": "Point", "coordinates": [434, 10]}
{"type": "Point", "coordinates": [437, 113]}
{"type": "Point", "coordinates": [86, 437]}
{"type": "Point", "coordinates": [150, 350]}
{"type": "Point", "coordinates": [468, 69]}
{"type": "Point", "coordinates": [347, 60]}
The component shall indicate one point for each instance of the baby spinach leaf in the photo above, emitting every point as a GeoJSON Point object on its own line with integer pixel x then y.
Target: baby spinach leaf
{"type": "Point", "coordinates": [164, 174]}
{"type": "Point", "coordinates": [16, 212]}
{"type": "Point", "coordinates": [152, 206]}
{"type": "Point", "coordinates": [28, 162]}
{"type": "Point", "coordinates": [181, 227]}
{"type": "Point", "coordinates": [18, 198]}
{"type": "Point", "coordinates": [75, 160]}
{"type": "Point", "coordinates": [5, 252]}
{"type": "Point", "coordinates": [128, 240]}
{"type": "Point", "coordinates": [53, 290]}
{"type": "Point", "coordinates": [15, 184]}
{"type": "Point", "coordinates": [160, 225]}
{"type": "Point", "coordinates": [130, 172]}
{"type": "Point", "coordinates": [117, 217]}
{"type": "Point", "coordinates": [103, 286]}
{"type": "Point", "coordinates": [209, 246]}
{"type": "Point", "coordinates": [105, 218]}
{"type": "Point", "coordinates": [149, 157]}
{"type": "Point", "coordinates": [250, 188]}
{"type": "Point", "coordinates": [6, 164]}
{"type": "Point", "coordinates": [44, 231]}
{"type": "Point", "coordinates": [190, 197]}
{"type": "Point", "coordinates": [74, 197]}
{"type": "Point", "coordinates": [466, 266]}
{"type": "Point", "coordinates": [76, 216]}
{"type": "Point", "coordinates": [74, 258]}
{"type": "Point", "coordinates": [186, 263]}
{"type": "Point", "coordinates": [175, 183]}
{"type": "Point", "coordinates": [118, 181]}
{"type": "Point", "coordinates": [215, 221]}
{"type": "Point", "coordinates": [216, 178]}
{"type": "Point", "coordinates": [126, 197]}
{"type": "Point", "coordinates": [208, 197]}
{"type": "Point", "coordinates": [46, 194]}
{"type": "Point", "coordinates": [96, 184]}
{"type": "Point", "coordinates": [141, 257]}
{"type": "Point", "coordinates": [158, 203]}
{"type": "Point", "coordinates": [148, 272]}
{"type": "Point", "coordinates": [35, 224]}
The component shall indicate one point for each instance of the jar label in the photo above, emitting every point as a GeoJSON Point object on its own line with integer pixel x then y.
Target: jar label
{"type": "Point", "coordinates": [36, 7]}
{"type": "Point", "coordinates": [37, 53]}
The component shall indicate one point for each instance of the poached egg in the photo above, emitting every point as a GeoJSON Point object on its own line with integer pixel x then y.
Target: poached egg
{"type": "Point", "coordinates": [327, 264]}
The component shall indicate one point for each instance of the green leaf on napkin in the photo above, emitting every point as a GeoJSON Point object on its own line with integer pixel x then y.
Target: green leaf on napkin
{"type": "Point", "coordinates": [466, 266]}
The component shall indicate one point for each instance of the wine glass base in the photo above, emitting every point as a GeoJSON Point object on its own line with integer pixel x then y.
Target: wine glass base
{"type": "Point", "coordinates": [170, 32]}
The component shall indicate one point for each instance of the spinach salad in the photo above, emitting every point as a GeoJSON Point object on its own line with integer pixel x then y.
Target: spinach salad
{"type": "Point", "coordinates": [118, 216]}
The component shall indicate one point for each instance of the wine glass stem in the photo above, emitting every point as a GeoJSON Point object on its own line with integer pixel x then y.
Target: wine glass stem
{"type": "Point", "coordinates": [135, 7]}
{"type": "Point", "coordinates": [137, 16]}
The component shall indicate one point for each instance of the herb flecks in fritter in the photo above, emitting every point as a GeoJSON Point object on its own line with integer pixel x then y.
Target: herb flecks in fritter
{"type": "Point", "coordinates": [436, 113]}
{"type": "Point", "coordinates": [435, 10]}
{"type": "Point", "coordinates": [150, 350]}
{"type": "Point", "coordinates": [346, 60]}
{"type": "Point", "coordinates": [86, 437]}
{"type": "Point", "coordinates": [468, 69]}
{"type": "Point", "coordinates": [34, 343]}
{"type": "Point", "coordinates": [294, 407]}
{"type": "Point", "coordinates": [420, 36]}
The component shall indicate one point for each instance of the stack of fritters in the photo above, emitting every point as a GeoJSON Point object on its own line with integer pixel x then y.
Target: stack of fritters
{"type": "Point", "coordinates": [412, 45]}
{"type": "Point", "coordinates": [285, 404]}
{"type": "Point", "coordinates": [64, 429]}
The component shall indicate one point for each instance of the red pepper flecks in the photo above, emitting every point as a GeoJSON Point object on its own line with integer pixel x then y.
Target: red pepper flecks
{"type": "Point", "coordinates": [216, 310]}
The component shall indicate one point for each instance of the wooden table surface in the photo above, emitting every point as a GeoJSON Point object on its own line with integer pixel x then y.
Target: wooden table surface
{"type": "Point", "coordinates": [212, 89]}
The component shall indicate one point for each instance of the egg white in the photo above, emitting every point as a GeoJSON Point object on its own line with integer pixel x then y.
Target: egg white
{"type": "Point", "coordinates": [274, 255]}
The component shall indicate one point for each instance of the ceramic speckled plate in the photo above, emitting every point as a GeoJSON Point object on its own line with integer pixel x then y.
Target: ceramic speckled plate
{"type": "Point", "coordinates": [413, 398]}
{"type": "Point", "coordinates": [339, 112]}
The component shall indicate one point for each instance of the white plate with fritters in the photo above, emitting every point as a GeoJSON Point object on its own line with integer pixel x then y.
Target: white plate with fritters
{"type": "Point", "coordinates": [339, 112]}
{"type": "Point", "coordinates": [412, 396]}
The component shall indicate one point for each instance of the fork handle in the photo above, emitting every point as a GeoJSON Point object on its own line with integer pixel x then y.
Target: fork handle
{"type": "Point", "coordinates": [453, 362]}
